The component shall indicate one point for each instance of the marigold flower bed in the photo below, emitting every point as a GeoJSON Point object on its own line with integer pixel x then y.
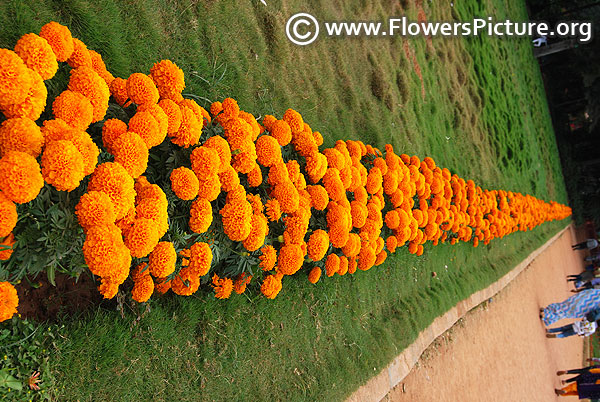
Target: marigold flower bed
{"type": "Point", "coordinates": [184, 197]}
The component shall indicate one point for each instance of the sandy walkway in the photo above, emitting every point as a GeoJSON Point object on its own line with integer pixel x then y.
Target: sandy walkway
{"type": "Point", "coordinates": [499, 351]}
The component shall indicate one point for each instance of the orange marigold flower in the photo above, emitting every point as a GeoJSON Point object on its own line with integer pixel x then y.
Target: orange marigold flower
{"type": "Point", "coordinates": [318, 244]}
{"type": "Point", "coordinates": [290, 259]}
{"type": "Point", "coordinates": [230, 108]}
{"type": "Point", "coordinates": [185, 285]}
{"type": "Point", "coordinates": [237, 218]}
{"type": "Point", "coordinates": [239, 286]}
{"type": "Point", "coordinates": [162, 259]}
{"type": "Point", "coordinates": [250, 119]}
{"type": "Point", "coordinates": [222, 287]}
{"type": "Point", "coordinates": [8, 242]}
{"type": "Point", "coordinates": [142, 289]}
{"type": "Point", "coordinates": [141, 89]}
{"type": "Point", "coordinates": [81, 56]}
{"type": "Point", "coordinates": [142, 238]}
{"type": "Point", "coordinates": [268, 258]}
{"type": "Point", "coordinates": [333, 184]}
{"type": "Point", "coordinates": [281, 131]}
{"type": "Point", "coordinates": [21, 134]}
{"type": "Point", "coordinates": [332, 264]}
{"type": "Point", "coordinates": [111, 130]}
{"type": "Point", "coordinates": [130, 151]}
{"type": "Point", "coordinates": [256, 202]}
{"type": "Point", "coordinates": [268, 121]}
{"type": "Point", "coordinates": [288, 197]}
{"type": "Point", "coordinates": [245, 161]}
{"type": "Point", "coordinates": [319, 197]}
{"type": "Point", "coordinates": [159, 115]}
{"type": "Point", "coordinates": [146, 126]}
{"type": "Point", "coordinates": [294, 119]}
{"type": "Point", "coordinates": [392, 220]}
{"type": "Point", "coordinates": [314, 275]}
{"type": "Point", "coordinates": [59, 38]}
{"type": "Point", "coordinates": [273, 210]}
{"type": "Point", "coordinates": [391, 243]}
{"type": "Point", "coordinates": [343, 269]}
{"type": "Point", "coordinates": [15, 78]}
{"type": "Point", "coordinates": [88, 83]}
{"type": "Point", "coordinates": [366, 257]}
{"type": "Point", "coordinates": [162, 286]}
{"type": "Point", "coordinates": [105, 254]}
{"type": "Point", "coordinates": [271, 286]}
{"type": "Point", "coordinates": [33, 105]}
{"type": "Point", "coordinates": [380, 258]}
{"type": "Point", "coordinates": [189, 131]}
{"type": "Point", "coordinates": [20, 177]}
{"type": "Point", "coordinates": [268, 151]}
{"type": "Point", "coordinates": [8, 301]}
{"type": "Point", "coordinates": [108, 289]}
{"type": "Point", "coordinates": [258, 232]}
{"type": "Point", "coordinates": [201, 216]}
{"type": "Point", "coordinates": [99, 67]}
{"type": "Point", "coordinates": [200, 258]}
{"type": "Point", "coordinates": [95, 208]}
{"type": "Point", "coordinates": [201, 114]}
{"type": "Point", "coordinates": [73, 108]}
{"type": "Point", "coordinates": [118, 89]}
{"type": "Point", "coordinates": [168, 78]}
{"type": "Point", "coordinates": [205, 162]}
{"type": "Point", "coordinates": [209, 188]}
{"type": "Point", "coordinates": [62, 165]}
{"type": "Point", "coordinates": [8, 215]}
{"type": "Point", "coordinates": [112, 179]}
{"type": "Point", "coordinates": [374, 180]}
{"type": "Point", "coordinates": [156, 211]}
{"type": "Point", "coordinates": [82, 141]}
{"type": "Point", "coordinates": [184, 183]}
{"type": "Point", "coordinates": [216, 108]}
{"type": "Point", "coordinates": [229, 179]}
{"type": "Point", "coordinates": [220, 145]}
{"type": "Point", "coordinates": [255, 178]}
{"type": "Point", "coordinates": [173, 113]}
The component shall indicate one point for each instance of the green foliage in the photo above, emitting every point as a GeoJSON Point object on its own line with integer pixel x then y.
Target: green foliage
{"type": "Point", "coordinates": [25, 351]}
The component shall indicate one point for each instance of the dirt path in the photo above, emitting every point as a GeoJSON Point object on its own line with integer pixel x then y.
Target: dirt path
{"type": "Point", "coordinates": [499, 352]}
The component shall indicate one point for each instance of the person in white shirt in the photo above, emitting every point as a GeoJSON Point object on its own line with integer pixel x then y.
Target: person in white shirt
{"type": "Point", "coordinates": [581, 328]}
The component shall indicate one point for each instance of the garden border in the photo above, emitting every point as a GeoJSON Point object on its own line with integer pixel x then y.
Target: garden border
{"type": "Point", "coordinates": [379, 386]}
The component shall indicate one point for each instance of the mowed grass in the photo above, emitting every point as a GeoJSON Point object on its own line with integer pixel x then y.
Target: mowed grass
{"type": "Point", "coordinates": [479, 111]}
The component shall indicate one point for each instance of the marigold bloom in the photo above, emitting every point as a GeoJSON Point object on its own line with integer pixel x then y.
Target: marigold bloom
{"type": "Point", "coordinates": [268, 258]}
{"type": "Point", "coordinates": [59, 38]}
{"type": "Point", "coordinates": [141, 89]}
{"type": "Point", "coordinates": [82, 141]}
{"type": "Point", "coordinates": [130, 151]}
{"type": "Point", "coordinates": [255, 178]}
{"type": "Point", "coordinates": [237, 218]}
{"type": "Point", "coordinates": [111, 130]}
{"type": "Point", "coordinates": [87, 82]}
{"type": "Point", "coordinates": [314, 275]}
{"type": "Point", "coordinates": [8, 301]}
{"type": "Point", "coordinates": [186, 287]}
{"type": "Point", "coordinates": [288, 197]}
{"type": "Point", "coordinates": [162, 286]}
{"type": "Point", "coordinates": [112, 179]}
{"type": "Point", "coordinates": [146, 126]}
{"type": "Point", "coordinates": [189, 131]}
{"type": "Point", "coordinates": [162, 260]}
{"type": "Point", "coordinates": [105, 254]}
{"type": "Point", "coordinates": [156, 211]}
{"type": "Point", "coordinates": [201, 114]}
{"type": "Point", "coordinates": [73, 108]}
{"type": "Point", "coordinates": [209, 188]}
{"type": "Point", "coordinates": [8, 215]}
{"type": "Point", "coordinates": [21, 134]}
{"type": "Point", "coordinates": [184, 183]}
{"type": "Point", "coordinates": [8, 242]}
{"type": "Point", "coordinates": [142, 238]}
{"type": "Point", "coordinates": [200, 258]}
{"type": "Point", "coordinates": [222, 287]}
{"type": "Point", "coordinates": [108, 289]}
{"type": "Point", "coordinates": [258, 232]}
{"type": "Point", "coordinates": [99, 67]}
{"type": "Point", "coordinates": [271, 286]}
{"type": "Point", "coordinates": [20, 177]}
{"type": "Point", "coordinates": [332, 264]}
{"type": "Point", "coordinates": [239, 286]}
{"type": "Point", "coordinates": [205, 162]}
{"type": "Point", "coordinates": [118, 89]}
{"type": "Point", "coordinates": [281, 131]}
{"type": "Point", "coordinates": [62, 165]}
{"type": "Point", "coordinates": [173, 113]}
{"type": "Point", "coordinates": [333, 184]}
{"type": "Point", "coordinates": [273, 210]}
{"type": "Point", "coordinates": [159, 115]}
{"type": "Point", "coordinates": [230, 108]}
{"type": "Point", "coordinates": [220, 145]}
{"type": "Point", "coordinates": [268, 151]}
{"type": "Point", "coordinates": [33, 105]}
{"type": "Point", "coordinates": [168, 78]}
{"type": "Point", "coordinates": [142, 289]}
{"type": "Point", "coordinates": [366, 257]}
{"type": "Point", "coordinates": [201, 216]}
{"type": "Point", "coordinates": [95, 208]}
{"type": "Point", "coordinates": [319, 197]}
{"type": "Point", "coordinates": [294, 119]}
{"type": "Point", "coordinates": [318, 244]}
{"type": "Point", "coordinates": [290, 259]}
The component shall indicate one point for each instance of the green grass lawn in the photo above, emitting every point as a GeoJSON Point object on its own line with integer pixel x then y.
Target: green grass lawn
{"type": "Point", "coordinates": [482, 114]}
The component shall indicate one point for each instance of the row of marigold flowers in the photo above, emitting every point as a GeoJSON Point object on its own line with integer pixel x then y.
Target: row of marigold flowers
{"type": "Point", "coordinates": [362, 191]}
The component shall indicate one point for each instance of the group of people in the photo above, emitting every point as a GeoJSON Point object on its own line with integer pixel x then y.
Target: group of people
{"type": "Point", "coordinates": [584, 305]}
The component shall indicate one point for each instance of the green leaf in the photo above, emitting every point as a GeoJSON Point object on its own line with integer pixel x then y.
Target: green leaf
{"type": "Point", "coordinates": [51, 274]}
{"type": "Point", "coordinates": [8, 381]}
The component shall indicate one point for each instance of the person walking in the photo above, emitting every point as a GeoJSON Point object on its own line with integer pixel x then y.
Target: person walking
{"type": "Point", "coordinates": [587, 385]}
{"type": "Point", "coordinates": [589, 244]}
{"type": "Point", "coordinates": [576, 306]}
